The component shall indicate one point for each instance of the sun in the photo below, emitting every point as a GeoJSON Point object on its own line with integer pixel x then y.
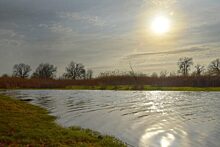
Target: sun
{"type": "Point", "coordinates": [160, 25]}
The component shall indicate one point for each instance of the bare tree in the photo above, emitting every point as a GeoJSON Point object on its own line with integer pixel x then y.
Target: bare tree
{"type": "Point", "coordinates": [184, 65]}
{"type": "Point", "coordinates": [45, 71]}
{"type": "Point", "coordinates": [163, 74]}
{"type": "Point", "coordinates": [75, 71]}
{"type": "Point", "coordinates": [21, 70]}
{"type": "Point", "coordinates": [132, 73]}
{"type": "Point", "coordinates": [214, 67]}
{"type": "Point", "coordinates": [89, 74]}
{"type": "Point", "coordinates": [199, 69]}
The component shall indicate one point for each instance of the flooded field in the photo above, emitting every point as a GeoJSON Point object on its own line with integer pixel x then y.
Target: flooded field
{"type": "Point", "coordinates": [139, 118]}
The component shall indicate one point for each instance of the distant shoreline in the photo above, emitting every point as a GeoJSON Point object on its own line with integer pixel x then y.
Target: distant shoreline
{"type": "Point", "coordinates": [178, 83]}
{"type": "Point", "coordinates": [125, 88]}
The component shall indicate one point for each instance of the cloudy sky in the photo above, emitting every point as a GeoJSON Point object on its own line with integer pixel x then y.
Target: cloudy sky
{"type": "Point", "coordinates": [107, 34]}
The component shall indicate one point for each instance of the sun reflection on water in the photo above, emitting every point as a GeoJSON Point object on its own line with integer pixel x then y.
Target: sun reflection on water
{"type": "Point", "coordinates": [165, 131]}
{"type": "Point", "coordinates": [167, 140]}
{"type": "Point", "coordinates": [163, 135]}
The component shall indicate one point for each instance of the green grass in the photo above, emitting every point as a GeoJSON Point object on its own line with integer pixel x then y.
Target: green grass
{"type": "Point", "coordinates": [145, 87]}
{"type": "Point", "coordinates": [130, 87]}
{"type": "Point", "coordinates": [22, 124]}
{"type": "Point", "coordinates": [182, 88]}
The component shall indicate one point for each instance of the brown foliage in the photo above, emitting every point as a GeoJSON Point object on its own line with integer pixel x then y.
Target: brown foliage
{"type": "Point", "coordinates": [12, 82]}
{"type": "Point", "coordinates": [191, 81]}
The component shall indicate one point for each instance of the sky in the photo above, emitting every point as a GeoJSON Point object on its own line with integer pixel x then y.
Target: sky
{"type": "Point", "coordinates": [107, 35]}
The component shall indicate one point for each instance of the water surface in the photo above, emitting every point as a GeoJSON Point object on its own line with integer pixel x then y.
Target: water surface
{"type": "Point", "coordinates": [139, 118]}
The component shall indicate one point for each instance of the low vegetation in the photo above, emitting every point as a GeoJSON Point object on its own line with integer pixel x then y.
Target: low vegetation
{"type": "Point", "coordinates": [145, 88]}
{"type": "Point", "coordinates": [114, 82]}
{"type": "Point", "coordinates": [78, 77]}
{"type": "Point", "coordinates": [22, 124]}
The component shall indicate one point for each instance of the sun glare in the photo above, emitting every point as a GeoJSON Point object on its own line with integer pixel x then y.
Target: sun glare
{"type": "Point", "coordinates": [160, 25]}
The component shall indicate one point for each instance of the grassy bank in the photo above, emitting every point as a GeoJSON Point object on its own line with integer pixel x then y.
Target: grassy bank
{"type": "Point", "coordinates": [22, 124]}
{"type": "Point", "coordinates": [125, 87]}
{"type": "Point", "coordinates": [146, 87]}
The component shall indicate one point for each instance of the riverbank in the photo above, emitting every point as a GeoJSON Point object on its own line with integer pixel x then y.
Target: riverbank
{"type": "Point", "coordinates": [145, 87]}
{"type": "Point", "coordinates": [23, 124]}
{"type": "Point", "coordinates": [115, 83]}
{"type": "Point", "coordinates": [125, 88]}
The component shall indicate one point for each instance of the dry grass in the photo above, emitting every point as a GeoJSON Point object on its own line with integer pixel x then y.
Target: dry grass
{"type": "Point", "coordinates": [138, 82]}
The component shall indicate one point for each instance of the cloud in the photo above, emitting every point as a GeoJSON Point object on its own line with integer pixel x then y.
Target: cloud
{"type": "Point", "coordinates": [9, 38]}
{"type": "Point", "coordinates": [163, 3]}
{"type": "Point", "coordinates": [60, 28]}
{"type": "Point", "coordinates": [98, 33]}
{"type": "Point", "coordinates": [189, 50]}
{"type": "Point", "coordinates": [93, 20]}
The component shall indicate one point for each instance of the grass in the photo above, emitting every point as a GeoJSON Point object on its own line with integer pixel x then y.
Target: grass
{"type": "Point", "coordinates": [145, 87]}
{"type": "Point", "coordinates": [183, 88]}
{"type": "Point", "coordinates": [128, 87]}
{"type": "Point", "coordinates": [22, 124]}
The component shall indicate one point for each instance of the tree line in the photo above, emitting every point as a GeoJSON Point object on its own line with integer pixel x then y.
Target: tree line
{"type": "Point", "coordinates": [77, 71]}
{"type": "Point", "coordinates": [185, 65]}
{"type": "Point", "coordinates": [74, 71]}
{"type": "Point", "coordinates": [188, 74]}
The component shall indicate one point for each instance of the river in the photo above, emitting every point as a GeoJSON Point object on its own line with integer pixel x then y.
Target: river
{"type": "Point", "coordinates": [138, 118]}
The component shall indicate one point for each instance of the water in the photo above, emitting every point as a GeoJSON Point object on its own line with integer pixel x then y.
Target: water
{"type": "Point", "coordinates": [139, 118]}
